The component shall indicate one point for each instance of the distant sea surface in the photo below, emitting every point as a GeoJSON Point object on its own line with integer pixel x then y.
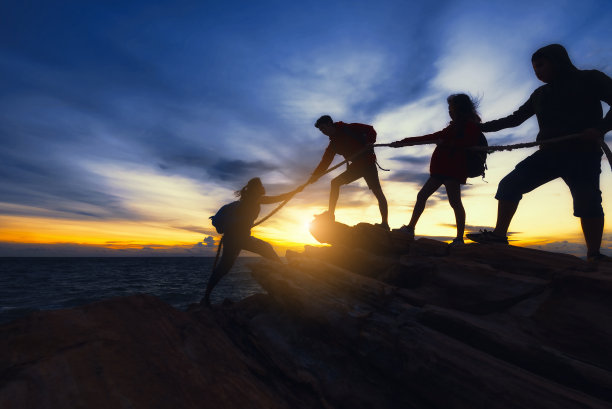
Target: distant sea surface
{"type": "Point", "coordinates": [31, 284]}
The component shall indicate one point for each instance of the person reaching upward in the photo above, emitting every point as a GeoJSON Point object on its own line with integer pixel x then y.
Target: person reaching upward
{"type": "Point", "coordinates": [237, 231]}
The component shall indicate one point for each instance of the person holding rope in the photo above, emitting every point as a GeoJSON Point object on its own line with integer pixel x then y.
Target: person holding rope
{"type": "Point", "coordinates": [237, 230]}
{"type": "Point", "coordinates": [568, 103]}
{"type": "Point", "coordinates": [448, 164]}
{"type": "Point", "coordinates": [348, 140]}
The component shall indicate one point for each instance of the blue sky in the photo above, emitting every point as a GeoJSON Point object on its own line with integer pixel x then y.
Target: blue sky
{"type": "Point", "coordinates": [152, 113]}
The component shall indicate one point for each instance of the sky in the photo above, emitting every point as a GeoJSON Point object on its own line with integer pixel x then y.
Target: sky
{"type": "Point", "coordinates": [125, 124]}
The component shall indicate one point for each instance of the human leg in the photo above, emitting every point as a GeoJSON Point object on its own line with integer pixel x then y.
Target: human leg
{"type": "Point", "coordinates": [453, 191]}
{"type": "Point", "coordinates": [261, 247]}
{"type": "Point", "coordinates": [373, 182]}
{"type": "Point", "coordinates": [346, 177]}
{"type": "Point", "coordinates": [431, 185]}
{"type": "Point", "coordinates": [592, 228]}
{"type": "Point", "coordinates": [505, 212]}
{"type": "Point", "coordinates": [532, 172]}
{"type": "Point", "coordinates": [582, 178]}
{"type": "Point", "coordinates": [334, 194]}
{"type": "Point", "coordinates": [231, 250]}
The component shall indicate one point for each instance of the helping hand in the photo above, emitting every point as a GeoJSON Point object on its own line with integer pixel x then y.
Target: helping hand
{"type": "Point", "coordinates": [396, 144]}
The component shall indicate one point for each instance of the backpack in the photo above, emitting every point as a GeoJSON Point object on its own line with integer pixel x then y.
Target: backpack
{"type": "Point", "coordinates": [363, 133]}
{"type": "Point", "coordinates": [225, 216]}
{"type": "Point", "coordinates": [476, 160]}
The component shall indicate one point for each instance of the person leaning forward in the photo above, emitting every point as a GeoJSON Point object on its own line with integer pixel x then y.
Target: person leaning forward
{"type": "Point", "coordinates": [348, 140]}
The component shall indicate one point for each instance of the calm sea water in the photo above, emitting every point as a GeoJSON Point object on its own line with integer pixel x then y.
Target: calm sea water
{"type": "Point", "coordinates": [30, 284]}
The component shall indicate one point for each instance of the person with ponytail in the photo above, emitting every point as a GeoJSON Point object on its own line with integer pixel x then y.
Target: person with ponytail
{"type": "Point", "coordinates": [237, 231]}
{"type": "Point", "coordinates": [448, 164]}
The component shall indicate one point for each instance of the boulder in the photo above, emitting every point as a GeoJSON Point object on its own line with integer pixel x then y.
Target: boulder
{"type": "Point", "coordinates": [373, 320]}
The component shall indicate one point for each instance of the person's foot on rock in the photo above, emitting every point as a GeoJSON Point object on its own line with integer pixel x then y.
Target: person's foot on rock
{"type": "Point", "coordinates": [487, 237]}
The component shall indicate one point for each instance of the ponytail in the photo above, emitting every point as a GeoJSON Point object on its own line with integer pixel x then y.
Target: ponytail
{"type": "Point", "coordinates": [253, 184]}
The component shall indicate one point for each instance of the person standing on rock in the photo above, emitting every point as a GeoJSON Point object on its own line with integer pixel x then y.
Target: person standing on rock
{"type": "Point", "coordinates": [237, 230]}
{"type": "Point", "coordinates": [568, 103]}
{"type": "Point", "coordinates": [448, 164]}
{"type": "Point", "coordinates": [348, 140]}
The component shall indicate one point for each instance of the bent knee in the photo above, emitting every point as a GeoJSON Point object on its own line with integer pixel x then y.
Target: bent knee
{"type": "Point", "coordinates": [509, 190]}
{"type": "Point", "coordinates": [336, 183]}
{"type": "Point", "coordinates": [456, 203]}
{"type": "Point", "coordinates": [422, 196]}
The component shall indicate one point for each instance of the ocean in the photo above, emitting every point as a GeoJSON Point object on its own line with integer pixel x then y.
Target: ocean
{"type": "Point", "coordinates": [31, 284]}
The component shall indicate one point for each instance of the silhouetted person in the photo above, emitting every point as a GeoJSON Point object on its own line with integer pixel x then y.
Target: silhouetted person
{"type": "Point", "coordinates": [568, 103]}
{"type": "Point", "coordinates": [237, 236]}
{"type": "Point", "coordinates": [347, 140]}
{"type": "Point", "coordinates": [448, 164]}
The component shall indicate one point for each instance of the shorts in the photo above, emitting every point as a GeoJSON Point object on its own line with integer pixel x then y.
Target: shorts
{"type": "Point", "coordinates": [359, 170]}
{"type": "Point", "coordinates": [579, 170]}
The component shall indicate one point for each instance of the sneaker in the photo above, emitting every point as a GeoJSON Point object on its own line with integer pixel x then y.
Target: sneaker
{"type": "Point", "coordinates": [408, 231]}
{"type": "Point", "coordinates": [599, 258]}
{"type": "Point", "coordinates": [384, 226]}
{"type": "Point", "coordinates": [487, 237]}
{"type": "Point", "coordinates": [456, 242]}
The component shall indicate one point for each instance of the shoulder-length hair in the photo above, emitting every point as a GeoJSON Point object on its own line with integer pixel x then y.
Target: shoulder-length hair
{"type": "Point", "coordinates": [465, 107]}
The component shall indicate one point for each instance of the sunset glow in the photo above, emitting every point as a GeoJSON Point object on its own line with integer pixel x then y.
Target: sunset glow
{"type": "Point", "coordinates": [125, 127]}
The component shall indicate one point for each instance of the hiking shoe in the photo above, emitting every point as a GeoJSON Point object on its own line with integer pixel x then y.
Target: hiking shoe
{"type": "Point", "coordinates": [408, 231]}
{"type": "Point", "coordinates": [384, 226]}
{"type": "Point", "coordinates": [456, 242]}
{"type": "Point", "coordinates": [487, 237]}
{"type": "Point", "coordinates": [599, 258]}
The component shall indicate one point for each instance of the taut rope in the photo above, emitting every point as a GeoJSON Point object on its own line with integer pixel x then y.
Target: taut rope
{"type": "Point", "coordinates": [491, 148]}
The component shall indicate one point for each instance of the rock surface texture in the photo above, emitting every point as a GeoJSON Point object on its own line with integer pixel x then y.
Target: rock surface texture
{"type": "Point", "coordinates": [372, 321]}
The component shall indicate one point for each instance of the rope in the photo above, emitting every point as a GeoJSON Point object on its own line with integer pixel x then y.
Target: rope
{"type": "Point", "coordinates": [498, 148]}
{"type": "Point", "coordinates": [218, 252]}
{"type": "Point", "coordinates": [606, 149]}
{"type": "Point", "coordinates": [301, 187]}
{"type": "Point", "coordinates": [280, 206]}
{"type": "Point", "coordinates": [491, 148]}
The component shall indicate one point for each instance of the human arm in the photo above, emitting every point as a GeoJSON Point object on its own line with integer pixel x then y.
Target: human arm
{"type": "Point", "coordinates": [326, 160]}
{"type": "Point", "coordinates": [519, 116]}
{"type": "Point", "coordinates": [602, 84]}
{"type": "Point", "coordinates": [419, 140]}
{"type": "Point", "coordinates": [282, 197]}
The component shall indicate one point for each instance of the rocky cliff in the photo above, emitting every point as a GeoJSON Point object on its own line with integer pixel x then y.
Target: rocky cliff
{"type": "Point", "coordinates": [372, 321]}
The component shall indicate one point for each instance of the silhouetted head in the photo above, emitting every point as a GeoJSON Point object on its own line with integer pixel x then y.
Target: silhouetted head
{"type": "Point", "coordinates": [552, 62]}
{"type": "Point", "coordinates": [325, 124]}
{"type": "Point", "coordinates": [461, 107]}
{"type": "Point", "coordinates": [254, 189]}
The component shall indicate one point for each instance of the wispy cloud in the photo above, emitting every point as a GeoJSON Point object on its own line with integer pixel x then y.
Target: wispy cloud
{"type": "Point", "coordinates": [155, 114]}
